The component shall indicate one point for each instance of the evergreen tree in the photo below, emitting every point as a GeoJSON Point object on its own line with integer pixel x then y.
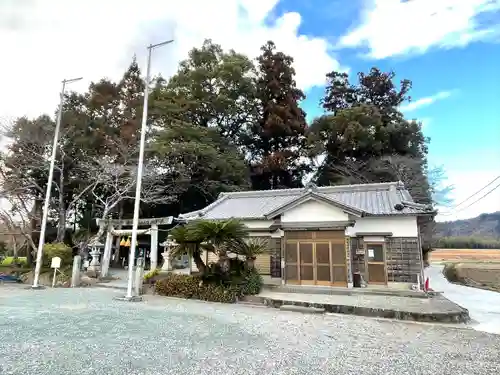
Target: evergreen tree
{"type": "Point", "coordinates": [213, 88]}
{"type": "Point", "coordinates": [277, 141]}
{"type": "Point", "coordinates": [367, 139]}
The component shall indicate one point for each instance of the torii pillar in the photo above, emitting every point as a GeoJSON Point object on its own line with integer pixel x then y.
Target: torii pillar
{"type": "Point", "coordinates": [106, 258]}
{"type": "Point", "coordinates": [153, 254]}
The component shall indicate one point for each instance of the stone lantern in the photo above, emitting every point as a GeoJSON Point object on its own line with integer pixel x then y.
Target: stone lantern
{"type": "Point", "coordinates": [168, 245]}
{"type": "Point", "coordinates": [95, 265]}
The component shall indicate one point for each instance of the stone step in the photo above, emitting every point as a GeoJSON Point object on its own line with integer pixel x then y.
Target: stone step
{"type": "Point", "coordinates": [346, 292]}
{"type": "Point", "coordinates": [451, 313]}
{"type": "Point", "coordinates": [302, 309]}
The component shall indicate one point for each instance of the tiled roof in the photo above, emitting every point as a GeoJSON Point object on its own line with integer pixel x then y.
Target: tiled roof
{"type": "Point", "coordinates": [372, 199]}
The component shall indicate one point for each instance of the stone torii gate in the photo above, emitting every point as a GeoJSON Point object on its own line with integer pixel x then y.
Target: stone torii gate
{"type": "Point", "coordinates": [110, 231]}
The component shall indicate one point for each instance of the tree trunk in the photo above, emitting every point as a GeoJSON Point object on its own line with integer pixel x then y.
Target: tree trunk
{"type": "Point", "coordinates": [199, 262]}
{"type": "Point", "coordinates": [116, 260]}
{"type": "Point", "coordinates": [14, 247]}
{"type": "Point", "coordinates": [98, 235]}
{"type": "Point", "coordinates": [223, 261]}
{"type": "Point", "coordinates": [251, 263]}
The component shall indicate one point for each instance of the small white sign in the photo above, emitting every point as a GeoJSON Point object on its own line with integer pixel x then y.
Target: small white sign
{"type": "Point", "coordinates": [56, 262]}
{"type": "Point", "coordinates": [371, 253]}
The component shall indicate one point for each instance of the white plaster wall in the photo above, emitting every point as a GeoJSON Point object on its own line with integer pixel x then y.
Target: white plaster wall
{"type": "Point", "coordinates": [258, 224]}
{"type": "Point", "coordinates": [313, 211]}
{"type": "Point", "coordinates": [403, 226]}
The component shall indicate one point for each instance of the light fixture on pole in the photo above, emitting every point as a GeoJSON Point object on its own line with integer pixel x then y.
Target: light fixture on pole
{"type": "Point", "coordinates": [135, 221]}
{"type": "Point", "coordinates": [45, 213]}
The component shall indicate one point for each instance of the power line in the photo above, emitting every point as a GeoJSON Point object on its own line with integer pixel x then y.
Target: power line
{"type": "Point", "coordinates": [453, 208]}
{"type": "Point", "coordinates": [477, 192]}
{"type": "Point", "coordinates": [477, 200]}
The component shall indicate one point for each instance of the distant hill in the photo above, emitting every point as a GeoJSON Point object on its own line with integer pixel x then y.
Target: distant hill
{"type": "Point", "coordinates": [483, 226]}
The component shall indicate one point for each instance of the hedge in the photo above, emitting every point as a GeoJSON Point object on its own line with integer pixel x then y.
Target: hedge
{"type": "Point", "coordinates": [192, 287]}
{"type": "Point", "coordinates": [197, 287]}
{"type": "Point", "coordinates": [60, 250]}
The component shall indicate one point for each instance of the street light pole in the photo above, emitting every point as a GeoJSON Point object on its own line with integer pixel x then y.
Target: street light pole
{"type": "Point", "coordinates": [45, 214]}
{"type": "Point", "coordinates": [140, 166]}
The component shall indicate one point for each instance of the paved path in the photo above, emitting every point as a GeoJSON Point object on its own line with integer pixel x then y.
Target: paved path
{"type": "Point", "coordinates": [483, 305]}
{"type": "Point", "coordinates": [84, 331]}
{"type": "Point", "coordinates": [407, 304]}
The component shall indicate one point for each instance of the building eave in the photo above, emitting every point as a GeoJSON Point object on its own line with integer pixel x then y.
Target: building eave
{"type": "Point", "coordinates": [317, 225]}
{"type": "Point", "coordinates": [316, 197]}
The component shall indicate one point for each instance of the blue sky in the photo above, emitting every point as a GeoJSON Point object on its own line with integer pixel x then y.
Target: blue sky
{"type": "Point", "coordinates": [448, 48]}
{"type": "Point", "coordinates": [455, 88]}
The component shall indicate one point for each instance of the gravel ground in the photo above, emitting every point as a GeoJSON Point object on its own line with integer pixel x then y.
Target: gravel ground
{"type": "Point", "coordinates": [84, 331]}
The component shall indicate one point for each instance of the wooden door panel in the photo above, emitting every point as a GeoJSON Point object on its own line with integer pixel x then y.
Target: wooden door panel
{"type": "Point", "coordinates": [291, 254]}
{"type": "Point", "coordinates": [320, 260]}
{"type": "Point", "coordinates": [306, 259]}
{"type": "Point", "coordinates": [375, 262]}
{"type": "Point", "coordinates": [291, 263]}
{"type": "Point", "coordinates": [338, 253]}
{"type": "Point", "coordinates": [339, 275]}
{"type": "Point", "coordinates": [323, 263]}
{"type": "Point", "coordinates": [376, 273]}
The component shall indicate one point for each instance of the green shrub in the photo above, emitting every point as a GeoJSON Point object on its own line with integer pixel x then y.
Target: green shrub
{"type": "Point", "coordinates": [151, 274]}
{"type": "Point", "coordinates": [252, 283]}
{"type": "Point", "coordinates": [451, 273]}
{"type": "Point", "coordinates": [218, 293]}
{"type": "Point", "coordinates": [11, 261]}
{"type": "Point", "coordinates": [60, 250]}
{"type": "Point", "coordinates": [184, 286]}
{"type": "Point", "coordinates": [193, 287]}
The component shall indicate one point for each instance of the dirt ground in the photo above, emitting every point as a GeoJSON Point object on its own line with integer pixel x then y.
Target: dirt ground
{"type": "Point", "coordinates": [478, 267]}
{"type": "Point", "coordinates": [465, 255]}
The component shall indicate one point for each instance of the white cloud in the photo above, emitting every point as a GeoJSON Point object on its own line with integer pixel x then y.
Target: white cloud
{"type": "Point", "coordinates": [466, 183]}
{"type": "Point", "coordinates": [424, 102]}
{"type": "Point", "coordinates": [44, 42]}
{"type": "Point", "coordinates": [398, 27]}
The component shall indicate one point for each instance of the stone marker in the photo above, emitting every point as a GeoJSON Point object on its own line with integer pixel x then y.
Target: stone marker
{"type": "Point", "coordinates": [75, 275]}
{"type": "Point", "coordinates": [139, 271]}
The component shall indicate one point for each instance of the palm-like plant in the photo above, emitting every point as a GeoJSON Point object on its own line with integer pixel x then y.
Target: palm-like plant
{"type": "Point", "coordinates": [251, 249]}
{"type": "Point", "coordinates": [219, 233]}
{"type": "Point", "coordinates": [208, 235]}
{"type": "Point", "coordinates": [187, 242]}
{"type": "Point", "coordinates": [216, 235]}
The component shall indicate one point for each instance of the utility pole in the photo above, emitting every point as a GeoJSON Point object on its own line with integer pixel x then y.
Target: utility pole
{"type": "Point", "coordinates": [45, 214]}
{"type": "Point", "coordinates": [140, 166]}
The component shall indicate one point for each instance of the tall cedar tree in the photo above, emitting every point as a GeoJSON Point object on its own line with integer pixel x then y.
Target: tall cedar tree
{"type": "Point", "coordinates": [131, 94]}
{"type": "Point", "coordinates": [278, 139]}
